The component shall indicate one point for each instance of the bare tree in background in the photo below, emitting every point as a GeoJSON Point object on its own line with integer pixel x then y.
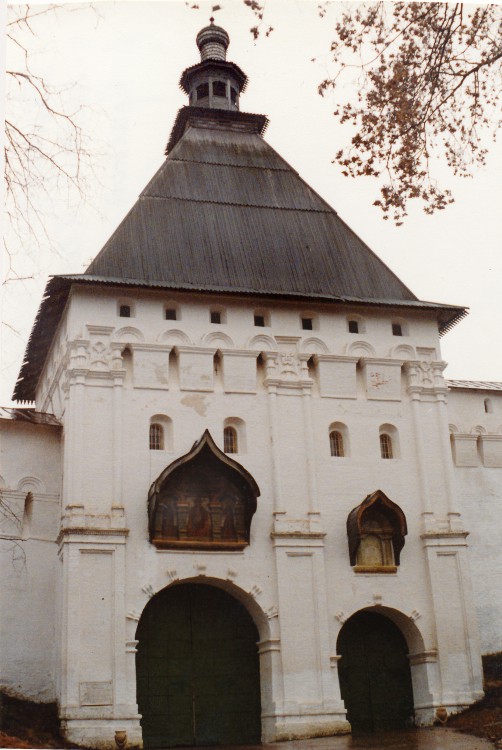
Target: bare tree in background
{"type": "Point", "coordinates": [47, 153]}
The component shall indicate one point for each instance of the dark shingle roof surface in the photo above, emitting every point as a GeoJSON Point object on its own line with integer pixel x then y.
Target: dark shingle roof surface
{"type": "Point", "coordinates": [226, 211]}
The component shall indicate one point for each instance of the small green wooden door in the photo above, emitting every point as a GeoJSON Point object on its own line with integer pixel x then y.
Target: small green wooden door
{"type": "Point", "coordinates": [375, 679]}
{"type": "Point", "coordinates": [198, 679]}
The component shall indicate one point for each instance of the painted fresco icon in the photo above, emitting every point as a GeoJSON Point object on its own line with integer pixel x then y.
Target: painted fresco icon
{"type": "Point", "coordinates": [204, 500]}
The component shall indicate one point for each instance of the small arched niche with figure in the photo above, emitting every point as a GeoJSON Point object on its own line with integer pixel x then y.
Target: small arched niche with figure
{"type": "Point", "coordinates": [203, 500]}
{"type": "Point", "coordinates": [376, 529]}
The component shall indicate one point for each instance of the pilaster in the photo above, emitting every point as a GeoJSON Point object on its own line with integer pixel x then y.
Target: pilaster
{"type": "Point", "coordinates": [312, 703]}
{"type": "Point", "coordinates": [97, 695]}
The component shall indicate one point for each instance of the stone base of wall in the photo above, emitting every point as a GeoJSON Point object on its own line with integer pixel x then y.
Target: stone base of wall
{"type": "Point", "coordinates": [100, 733]}
{"type": "Point", "coordinates": [282, 727]}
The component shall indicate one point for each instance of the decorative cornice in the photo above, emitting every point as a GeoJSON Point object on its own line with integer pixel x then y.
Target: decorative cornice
{"type": "Point", "coordinates": [89, 531]}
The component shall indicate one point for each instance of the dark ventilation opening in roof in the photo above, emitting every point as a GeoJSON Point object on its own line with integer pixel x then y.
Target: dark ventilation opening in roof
{"type": "Point", "coordinates": [219, 88]}
{"type": "Point", "coordinates": [353, 326]}
{"type": "Point", "coordinates": [307, 324]}
{"type": "Point", "coordinates": [203, 91]}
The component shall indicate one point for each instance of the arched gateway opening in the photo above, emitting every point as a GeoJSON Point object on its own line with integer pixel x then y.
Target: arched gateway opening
{"type": "Point", "coordinates": [198, 679]}
{"type": "Point", "coordinates": [375, 678]}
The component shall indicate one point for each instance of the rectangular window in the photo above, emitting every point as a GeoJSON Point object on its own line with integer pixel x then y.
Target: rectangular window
{"type": "Point", "coordinates": [259, 320]}
{"type": "Point", "coordinates": [397, 329]}
{"type": "Point", "coordinates": [124, 311]}
{"type": "Point", "coordinates": [170, 313]}
{"type": "Point", "coordinates": [307, 324]}
{"type": "Point", "coordinates": [215, 316]}
{"type": "Point", "coordinates": [219, 88]}
{"type": "Point", "coordinates": [353, 326]}
{"type": "Point", "coordinates": [203, 91]}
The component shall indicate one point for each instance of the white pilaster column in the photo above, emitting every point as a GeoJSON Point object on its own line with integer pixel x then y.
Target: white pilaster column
{"type": "Point", "coordinates": [118, 428]}
{"type": "Point", "coordinates": [308, 429]}
{"type": "Point", "coordinates": [271, 386]}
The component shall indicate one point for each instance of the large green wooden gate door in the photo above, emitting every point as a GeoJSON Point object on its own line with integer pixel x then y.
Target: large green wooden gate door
{"type": "Point", "coordinates": [375, 679]}
{"type": "Point", "coordinates": [198, 679]}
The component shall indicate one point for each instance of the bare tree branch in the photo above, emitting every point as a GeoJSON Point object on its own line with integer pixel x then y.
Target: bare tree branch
{"type": "Point", "coordinates": [46, 150]}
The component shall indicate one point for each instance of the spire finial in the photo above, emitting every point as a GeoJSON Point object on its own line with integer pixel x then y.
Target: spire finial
{"type": "Point", "coordinates": [211, 20]}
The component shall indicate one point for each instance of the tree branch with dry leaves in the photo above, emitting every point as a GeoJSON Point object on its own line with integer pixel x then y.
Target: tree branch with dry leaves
{"type": "Point", "coordinates": [428, 83]}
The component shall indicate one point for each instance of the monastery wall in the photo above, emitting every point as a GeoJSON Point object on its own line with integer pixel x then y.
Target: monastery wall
{"type": "Point", "coordinates": [29, 525]}
{"type": "Point", "coordinates": [476, 435]}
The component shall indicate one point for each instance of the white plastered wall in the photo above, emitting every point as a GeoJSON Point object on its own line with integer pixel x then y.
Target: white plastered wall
{"type": "Point", "coordinates": [477, 458]}
{"type": "Point", "coordinates": [30, 460]}
{"type": "Point", "coordinates": [298, 532]}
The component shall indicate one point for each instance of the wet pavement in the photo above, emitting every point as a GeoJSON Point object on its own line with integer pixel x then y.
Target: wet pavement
{"type": "Point", "coordinates": [413, 739]}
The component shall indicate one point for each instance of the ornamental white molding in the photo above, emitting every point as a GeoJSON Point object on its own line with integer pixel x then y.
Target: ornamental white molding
{"type": "Point", "coordinates": [175, 337]}
{"type": "Point", "coordinates": [128, 334]}
{"type": "Point", "coordinates": [314, 345]}
{"type": "Point", "coordinates": [262, 342]}
{"type": "Point", "coordinates": [360, 348]}
{"type": "Point", "coordinates": [218, 339]}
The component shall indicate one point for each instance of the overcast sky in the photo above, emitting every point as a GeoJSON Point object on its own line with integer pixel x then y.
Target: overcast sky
{"type": "Point", "coordinates": [125, 63]}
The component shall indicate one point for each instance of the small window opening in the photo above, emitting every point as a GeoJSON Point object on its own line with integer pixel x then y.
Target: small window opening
{"type": "Point", "coordinates": [171, 313]}
{"type": "Point", "coordinates": [312, 368]}
{"type": "Point", "coordinates": [385, 445]}
{"type": "Point", "coordinates": [125, 311]}
{"type": "Point", "coordinates": [219, 88]}
{"type": "Point", "coordinates": [488, 406]}
{"type": "Point", "coordinates": [259, 320]}
{"type": "Point", "coordinates": [336, 443]}
{"type": "Point", "coordinates": [397, 329]}
{"type": "Point", "coordinates": [203, 91]}
{"type": "Point", "coordinates": [307, 324]}
{"type": "Point", "coordinates": [233, 95]}
{"type": "Point", "coordinates": [215, 316]}
{"type": "Point", "coordinates": [156, 437]}
{"type": "Point", "coordinates": [27, 515]}
{"type": "Point", "coordinates": [353, 326]}
{"type": "Point", "coordinates": [230, 440]}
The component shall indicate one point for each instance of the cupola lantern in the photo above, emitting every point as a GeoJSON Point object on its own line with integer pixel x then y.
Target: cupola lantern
{"type": "Point", "coordinates": [213, 83]}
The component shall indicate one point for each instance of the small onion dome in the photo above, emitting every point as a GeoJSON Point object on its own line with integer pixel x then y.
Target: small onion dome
{"type": "Point", "coordinates": [212, 42]}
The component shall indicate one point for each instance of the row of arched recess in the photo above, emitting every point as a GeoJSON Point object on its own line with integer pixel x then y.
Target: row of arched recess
{"type": "Point", "coordinates": [234, 437]}
{"type": "Point", "coordinates": [203, 680]}
{"type": "Point", "coordinates": [265, 342]}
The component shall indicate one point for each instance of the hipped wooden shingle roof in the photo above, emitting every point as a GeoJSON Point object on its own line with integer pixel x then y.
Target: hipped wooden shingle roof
{"type": "Point", "coordinates": [226, 211]}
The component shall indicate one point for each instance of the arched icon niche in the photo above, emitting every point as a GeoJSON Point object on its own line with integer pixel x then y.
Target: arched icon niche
{"type": "Point", "coordinates": [204, 500]}
{"type": "Point", "coordinates": [376, 530]}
